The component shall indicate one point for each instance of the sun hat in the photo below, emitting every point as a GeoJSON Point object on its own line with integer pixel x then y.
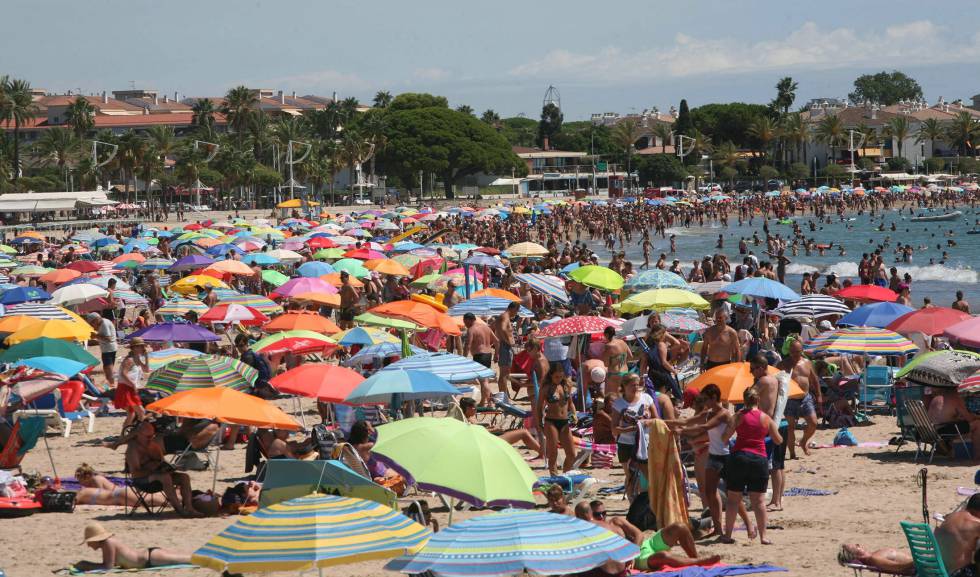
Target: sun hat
{"type": "Point", "coordinates": [137, 342]}
{"type": "Point", "coordinates": [94, 533]}
{"type": "Point", "coordinates": [598, 375]}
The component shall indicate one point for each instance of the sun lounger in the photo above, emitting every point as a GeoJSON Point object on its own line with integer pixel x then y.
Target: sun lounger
{"type": "Point", "coordinates": [49, 406]}
{"type": "Point", "coordinates": [925, 550]}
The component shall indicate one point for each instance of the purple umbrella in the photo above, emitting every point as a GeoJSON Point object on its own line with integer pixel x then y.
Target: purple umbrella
{"type": "Point", "coordinates": [191, 262]}
{"type": "Point", "coordinates": [302, 285]}
{"type": "Point", "coordinates": [175, 333]}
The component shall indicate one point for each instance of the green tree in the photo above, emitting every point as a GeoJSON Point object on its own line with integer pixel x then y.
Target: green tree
{"type": "Point", "coordinates": [58, 144]}
{"type": "Point", "coordinates": [374, 127]}
{"type": "Point", "coordinates": [17, 107]}
{"type": "Point", "coordinates": [80, 115]}
{"type": "Point", "coordinates": [490, 117]}
{"type": "Point", "coordinates": [624, 135]}
{"type": "Point", "coordinates": [785, 95]}
{"type": "Point", "coordinates": [550, 124]}
{"type": "Point", "coordinates": [898, 128]}
{"type": "Point", "coordinates": [935, 164]}
{"type": "Point", "coordinates": [684, 124]}
{"type": "Point", "coordinates": [763, 131]}
{"type": "Point", "coordinates": [930, 130]}
{"type": "Point", "coordinates": [699, 145]}
{"type": "Point", "coordinates": [798, 171]}
{"type": "Point", "coordinates": [833, 172]}
{"type": "Point", "coordinates": [466, 109]}
{"type": "Point", "coordinates": [728, 173]}
{"type": "Point", "coordinates": [410, 100]}
{"type": "Point", "coordinates": [241, 102]}
{"type": "Point", "coordinates": [661, 169]}
{"type": "Point", "coordinates": [885, 88]}
{"type": "Point", "coordinates": [446, 142]}
{"type": "Point", "coordinates": [665, 133]}
{"type": "Point", "coordinates": [203, 116]}
{"type": "Point", "coordinates": [767, 172]}
{"type": "Point", "coordinates": [726, 155]}
{"type": "Point", "coordinates": [865, 163]}
{"type": "Point", "coordinates": [729, 122]}
{"type": "Point", "coordinates": [795, 132]}
{"type": "Point", "coordinates": [830, 131]}
{"type": "Point", "coordinates": [382, 99]}
{"type": "Point", "coordinates": [130, 156]}
{"type": "Point", "coordinates": [963, 132]}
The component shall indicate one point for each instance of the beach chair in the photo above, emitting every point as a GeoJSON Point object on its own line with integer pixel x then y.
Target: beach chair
{"type": "Point", "coordinates": [513, 415]}
{"type": "Point", "coordinates": [876, 388]}
{"type": "Point", "coordinates": [346, 454]}
{"type": "Point", "coordinates": [143, 489]}
{"type": "Point", "coordinates": [925, 434]}
{"type": "Point", "coordinates": [906, 425]}
{"type": "Point", "coordinates": [23, 437]}
{"type": "Point", "coordinates": [925, 550]}
{"type": "Point", "coordinates": [50, 407]}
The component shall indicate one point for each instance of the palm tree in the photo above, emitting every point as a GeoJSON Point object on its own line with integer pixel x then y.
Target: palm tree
{"type": "Point", "coordinates": [785, 95]}
{"type": "Point", "coordinates": [240, 105]}
{"type": "Point", "coordinates": [830, 131]}
{"type": "Point", "coordinates": [727, 154]}
{"type": "Point", "coordinates": [932, 130]}
{"type": "Point", "coordinates": [795, 131]}
{"type": "Point", "coordinates": [382, 99]}
{"type": "Point", "coordinates": [58, 144]}
{"type": "Point", "coordinates": [764, 131]}
{"type": "Point", "coordinates": [374, 129]}
{"type": "Point", "coordinates": [962, 133]}
{"type": "Point", "coordinates": [203, 116]}
{"type": "Point", "coordinates": [466, 109]}
{"type": "Point", "coordinates": [80, 116]}
{"type": "Point", "coordinates": [332, 154]}
{"type": "Point", "coordinates": [898, 128]}
{"type": "Point", "coordinates": [260, 130]}
{"type": "Point", "coordinates": [16, 107]}
{"type": "Point", "coordinates": [664, 132]}
{"type": "Point", "coordinates": [149, 165]}
{"type": "Point", "coordinates": [700, 145]}
{"type": "Point", "coordinates": [131, 151]}
{"type": "Point", "coordinates": [624, 137]}
{"type": "Point", "coordinates": [348, 108]}
{"type": "Point", "coordinates": [161, 143]}
{"type": "Point", "coordinates": [491, 117]}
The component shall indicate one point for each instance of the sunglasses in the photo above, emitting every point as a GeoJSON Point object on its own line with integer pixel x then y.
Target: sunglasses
{"type": "Point", "coordinates": [599, 514]}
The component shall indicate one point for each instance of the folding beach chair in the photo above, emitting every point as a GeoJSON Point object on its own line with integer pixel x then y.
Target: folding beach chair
{"type": "Point", "coordinates": [906, 425]}
{"type": "Point", "coordinates": [925, 550]}
{"type": "Point", "coordinates": [51, 408]}
{"type": "Point", "coordinates": [23, 437]}
{"type": "Point", "coordinates": [143, 489]}
{"type": "Point", "coordinates": [925, 433]}
{"type": "Point", "coordinates": [876, 388]}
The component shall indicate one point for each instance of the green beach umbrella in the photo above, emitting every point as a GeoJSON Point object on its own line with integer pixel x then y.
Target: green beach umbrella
{"type": "Point", "coordinates": [372, 319]}
{"type": "Point", "coordinates": [48, 347]}
{"type": "Point", "coordinates": [274, 277]}
{"type": "Point", "coordinates": [919, 359]}
{"type": "Point", "coordinates": [598, 277]}
{"type": "Point", "coordinates": [290, 478]}
{"type": "Point", "coordinates": [297, 334]}
{"type": "Point", "coordinates": [661, 300]}
{"type": "Point", "coordinates": [458, 459]}
{"type": "Point", "coordinates": [203, 372]}
{"type": "Point", "coordinates": [352, 266]}
{"type": "Point", "coordinates": [424, 280]}
{"type": "Point", "coordinates": [329, 253]}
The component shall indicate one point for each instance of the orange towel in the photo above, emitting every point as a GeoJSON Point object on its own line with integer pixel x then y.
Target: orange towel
{"type": "Point", "coordinates": [666, 481]}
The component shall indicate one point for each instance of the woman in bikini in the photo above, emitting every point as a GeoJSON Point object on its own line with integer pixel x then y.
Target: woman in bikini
{"type": "Point", "coordinates": [116, 554]}
{"type": "Point", "coordinates": [555, 404]}
{"type": "Point", "coordinates": [98, 490]}
{"type": "Point", "coordinates": [615, 355]}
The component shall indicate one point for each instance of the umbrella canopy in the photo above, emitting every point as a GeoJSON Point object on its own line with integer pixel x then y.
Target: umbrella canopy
{"type": "Point", "coordinates": [23, 294]}
{"type": "Point", "coordinates": [548, 285]}
{"type": "Point", "coordinates": [193, 284]}
{"type": "Point", "coordinates": [179, 307]}
{"type": "Point", "coordinates": [304, 321]}
{"type": "Point", "coordinates": [233, 313]}
{"type": "Point", "coordinates": [326, 383]}
{"type": "Point", "coordinates": [63, 330]}
{"type": "Point", "coordinates": [301, 285]}
{"type": "Point", "coordinates": [580, 325]}
{"type": "Point", "coordinates": [232, 267]}
{"type": "Point", "coordinates": [294, 341]}
{"type": "Point", "coordinates": [370, 319]}
{"type": "Point", "coordinates": [312, 531]}
{"type": "Point", "coordinates": [655, 279]}
{"type": "Point", "coordinates": [599, 277]}
{"type": "Point", "coordinates": [314, 269]}
{"type": "Point", "coordinates": [203, 371]}
{"type": "Point", "coordinates": [224, 405]}
{"type": "Point", "coordinates": [163, 357]}
{"type": "Point", "coordinates": [762, 287]}
{"type": "Point", "coordinates": [812, 306]}
{"type": "Point", "coordinates": [516, 542]}
{"type": "Point", "coordinates": [966, 332]}
{"type": "Point", "coordinates": [481, 259]}
{"type": "Point", "coordinates": [941, 368]}
{"type": "Point", "coordinates": [496, 293]}
{"type": "Point", "coordinates": [486, 306]}
{"type": "Point", "coordinates": [191, 262]}
{"type": "Point", "coordinates": [291, 478]}
{"type": "Point", "coordinates": [48, 347]}
{"type": "Point", "coordinates": [57, 365]}
{"type": "Point", "coordinates": [259, 303]}
{"type": "Point", "coordinates": [75, 294]}
{"type": "Point", "coordinates": [60, 275]}
{"type": "Point", "coordinates": [867, 293]}
{"type": "Point", "coordinates": [43, 311]}
{"type": "Point", "coordinates": [353, 267]}
{"type": "Point", "coordinates": [526, 250]}
{"type": "Point", "coordinates": [176, 333]}
{"type": "Point", "coordinates": [13, 323]}
{"type": "Point", "coordinates": [380, 351]}
{"type": "Point", "coordinates": [734, 378]}
{"type": "Point", "coordinates": [663, 299]}
{"type": "Point", "coordinates": [861, 341]}
{"type": "Point", "coordinates": [878, 315]}
{"type": "Point", "coordinates": [388, 266]}
{"type": "Point", "coordinates": [365, 336]}
{"type": "Point", "coordinates": [418, 313]}
{"type": "Point", "coordinates": [457, 459]}
{"type": "Point", "coordinates": [928, 321]}
{"type": "Point", "coordinates": [453, 368]}
{"type": "Point", "coordinates": [382, 386]}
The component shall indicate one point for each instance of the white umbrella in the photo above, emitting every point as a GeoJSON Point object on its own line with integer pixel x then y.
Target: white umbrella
{"type": "Point", "coordinates": [75, 294]}
{"type": "Point", "coordinates": [285, 255]}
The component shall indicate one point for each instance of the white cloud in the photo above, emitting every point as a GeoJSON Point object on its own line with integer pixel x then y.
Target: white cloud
{"type": "Point", "coordinates": [432, 74]}
{"type": "Point", "coordinates": [809, 47]}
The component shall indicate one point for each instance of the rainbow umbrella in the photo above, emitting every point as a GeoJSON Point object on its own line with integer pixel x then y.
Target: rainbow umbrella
{"type": "Point", "coordinates": [295, 341]}
{"type": "Point", "coordinates": [257, 302]}
{"type": "Point", "coordinates": [163, 357]}
{"type": "Point", "coordinates": [655, 279]}
{"type": "Point", "coordinates": [201, 372]}
{"type": "Point", "coordinates": [179, 307]}
{"type": "Point", "coordinates": [366, 336]}
{"type": "Point", "coordinates": [313, 531]}
{"type": "Point", "coordinates": [860, 341]}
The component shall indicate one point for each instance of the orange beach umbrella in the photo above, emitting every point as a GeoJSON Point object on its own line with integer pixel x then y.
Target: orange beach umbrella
{"type": "Point", "coordinates": [225, 406]}
{"type": "Point", "coordinates": [418, 313]}
{"type": "Point", "coordinates": [734, 378]}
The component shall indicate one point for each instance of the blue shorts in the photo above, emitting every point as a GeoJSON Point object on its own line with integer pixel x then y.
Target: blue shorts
{"type": "Point", "coordinates": [505, 356]}
{"type": "Point", "coordinates": [777, 453]}
{"type": "Point", "coordinates": [805, 407]}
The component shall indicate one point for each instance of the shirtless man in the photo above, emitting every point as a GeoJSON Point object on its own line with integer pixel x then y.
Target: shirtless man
{"type": "Point", "coordinates": [961, 304]}
{"type": "Point", "coordinates": [958, 537]}
{"type": "Point", "coordinates": [768, 388]}
{"type": "Point", "coordinates": [720, 342]}
{"type": "Point", "coordinates": [504, 331]}
{"type": "Point", "coordinates": [480, 342]}
{"type": "Point", "coordinates": [801, 370]}
{"type": "Point", "coordinates": [615, 356]}
{"type": "Point", "coordinates": [949, 413]}
{"type": "Point", "coordinates": [557, 503]}
{"type": "Point", "coordinates": [888, 559]}
{"type": "Point", "coordinates": [349, 299]}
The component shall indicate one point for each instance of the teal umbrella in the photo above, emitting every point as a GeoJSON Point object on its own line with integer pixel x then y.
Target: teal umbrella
{"type": "Point", "coordinates": [291, 478]}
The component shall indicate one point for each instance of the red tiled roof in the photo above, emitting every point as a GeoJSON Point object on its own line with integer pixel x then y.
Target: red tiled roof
{"type": "Point", "coordinates": [96, 101]}
{"type": "Point", "coordinates": [134, 121]}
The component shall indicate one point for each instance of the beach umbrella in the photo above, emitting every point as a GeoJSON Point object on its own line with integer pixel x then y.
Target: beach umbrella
{"type": "Point", "coordinates": [929, 321]}
{"type": "Point", "coordinates": [43, 311]}
{"type": "Point", "coordinates": [418, 313]}
{"type": "Point", "coordinates": [291, 478]}
{"type": "Point", "coordinates": [129, 256]}
{"type": "Point", "coordinates": [679, 323]}
{"type": "Point", "coordinates": [387, 266]}
{"type": "Point", "coordinates": [353, 267]}
{"type": "Point", "coordinates": [179, 307]}
{"type": "Point", "coordinates": [57, 365]}
{"type": "Point", "coordinates": [481, 259]}
{"type": "Point", "coordinates": [30, 270]}
{"type": "Point", "coordinates": [54, 329]}
{"type": "Point", "coordinates": [598, 277]}
{"type": "Point", "coordinates": [314, 269]}
{"type": "Point", "coordinates": [274, 277]}
{"type": "Point", "coordinates": [384, 386]}
{"type": "Point", "coordinates": [103, 282]}
{"type": "Point", "coordinates": [299, 342]}
{"type": "Point", "coordinates": [370, 319]}
{"type": "Point", "coordinates": [867, 293]}
{"type": "Point", "coordinates": [232, 313]}
{"type": "Point", "coordinates": [441, 283]}
{"type": "Point", "coordinates": [303, 320]}
{"type": "Point", "coordinates": [48, 347]}
{"type": "Point", "coordinates": [364, 336]}
{"type": "Point", "coordinates": [321, 381]}
{"type": "Point", "coordinates": [324, 300]}
{"type": "Point", "coordinates": [514, 542]}
{"type": "Point", "coordinates": [334, 280]}
{"type": "Point", "coordinates": [130, 298]}
{"type": "Point", "coordinates": [285, 255]}
{"type": "Point", "coordinates": [486, 306]}
{"type": "Point", "coordinates": [257, 302]}
{"type": "Point", "coordinates": [23, 294]}
{"type": "Point", "coordinates": [734, 378]}
{"type": "Point", "coordinates": [761, 287]}
{"type": "Point", "coordinates": [949, 368]}
{"type": "Point", "coordinates": [548, 285]}
{"type": "Point", "coordinates": [201, 372]}
{"type": "Point", "coordinates": [75, 294]}
{"type": "Point", "coordinates": [453, 368]}
{"type": "Point", "coordinates": [225, 405]}
{"type": "Point", "coordinates": [329, 253]}
{"type": "Point", "coordinates": [83, 266]}
{"type": "Point", "coordinates": [59, 276]}
{"type": "Point", "coordinates": [655, 279]}
{"type": "Point", "coordinates": [458, 459]}
{"type": "Point", "coordinates": [163, 357]}
{"type": "Point", "coordinates": [878, 315]}
{"type": "Point", "coordinates": [235, 267]}
{"type": "Point", "coordinates": [13, 323]}
{"type": "Point", "coordinates": [966, 333]}
{"type": "Point", "coordinates": [364, 254]}
{"type": "Point", "coordinates": [305, 285]}
{"type": "Point", "coordinates": [526, 250]}
{"type": "Point", "coordinates": [812, 306]}
{"type": "Point", "coordinates": [663, 299]}
{"type": "Point", "coordinates": [176, 333]}
{"type": "Point", "coordinates": [313, 531]}
{"type": "Point", "coordinates": [860, 341]}
{"type": "Point", "coordinates": [157, 263]}
{"type": "Point", "coordinates": [578, 325]}
{"type": "Point", "coordinates": [260, 258]}
{"type": "Point", "coordinates": [496, 293]}
{"type": "Point", "coordinates": [193, 284]}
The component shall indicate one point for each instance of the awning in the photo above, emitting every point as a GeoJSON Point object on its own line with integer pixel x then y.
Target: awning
{"type": "Point", "coordinates": [506, 182]}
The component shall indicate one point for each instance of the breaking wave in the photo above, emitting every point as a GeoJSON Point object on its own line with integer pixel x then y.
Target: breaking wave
{"type": "Point", "coordinates": [933, 272]}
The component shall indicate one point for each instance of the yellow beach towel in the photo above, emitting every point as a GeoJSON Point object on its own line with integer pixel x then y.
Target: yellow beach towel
{"type": "Point", "coordinates": [666, 481]}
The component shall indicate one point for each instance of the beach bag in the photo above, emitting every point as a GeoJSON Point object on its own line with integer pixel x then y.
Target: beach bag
{"type": "Point", "coordinates": [325, 440]}
{"type": "Point", "coordinates": [58, 502]}
{"type": "Point", "coordinates": [845, 438]}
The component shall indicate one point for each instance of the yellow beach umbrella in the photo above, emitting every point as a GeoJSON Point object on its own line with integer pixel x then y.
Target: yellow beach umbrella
{"type": "Point", "coordinates": [53, 329]}
{"type": "Point", "coordinates": [526, 250]}
{"type": "Point", "coordinates": [296, 203]}
{"type": "Point", "coordinates": [662, 299]}
{"type": "Point", "coordinates": [387, 266]}
{"type": "Point", "coordinates": [195, 282]}
{"type": "Point", "coordinates": [14, 323]}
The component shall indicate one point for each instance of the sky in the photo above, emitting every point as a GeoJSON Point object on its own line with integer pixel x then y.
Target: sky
{"type": "Point", "coordinates": [621, 56]}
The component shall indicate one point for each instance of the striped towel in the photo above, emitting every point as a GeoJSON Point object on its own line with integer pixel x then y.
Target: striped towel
{"type": "Point", "coordinates": [603, 455]}
{"type": "Point", "coordinates": [802, 492]}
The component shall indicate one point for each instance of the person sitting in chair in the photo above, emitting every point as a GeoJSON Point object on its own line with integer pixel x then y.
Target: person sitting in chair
{"type": "Point", "coordinates": [887, 559]}
{"type": "Point", "coordinates": [958, 537]}
{"type": "Point", "coordinates": [513, 436]}
{"type": "Point", "coordinates": [145, 460]}
{"type": "Point", "coordinates": [949, 413]}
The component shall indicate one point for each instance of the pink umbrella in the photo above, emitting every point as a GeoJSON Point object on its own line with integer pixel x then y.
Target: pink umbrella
{"type": "Point", "coordinates": [965, 333]}
{"type": "Point", "coordinates": [580, 325]}
{"type": "Point", "coordinates": [298, 286]}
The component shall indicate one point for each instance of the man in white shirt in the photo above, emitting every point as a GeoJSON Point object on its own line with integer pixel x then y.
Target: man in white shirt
{"type": "Point", "coordinates": [105, 333]}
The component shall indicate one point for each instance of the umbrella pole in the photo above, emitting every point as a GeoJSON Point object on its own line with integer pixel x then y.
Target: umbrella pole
{"type": "Point", "coordinates": [299, 408]}
{"type": "Point", "coordinates": [452, 507]}
{"type": "Point", "coordinates": [47, 447]}
{"type": "Point", "coordinates": [217, 459]}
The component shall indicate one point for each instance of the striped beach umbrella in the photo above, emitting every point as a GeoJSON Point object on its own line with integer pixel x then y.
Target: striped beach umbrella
{"type": "Point", "coordinates": [579, 325]}
{"type": "Point", "coordinates": [179, 307]}
{"type": "Point", "coordinates": [131, 298]}
{"type": "Point", "coordinates": [313, 531]}
{"type": "Point", "coordinates": [163, 357]}
{"type": "Point", "coordinates": [860, 341]}
{"type": "Point", "coordinates": [655, 279]}
{"type": "Point", "coordinates": [366, 336]}
{"type": "Point", "coordinates": [43, 311]}
{"type": "Point", "coordinates": [486, 306]}
{"type": "Point", "coordinates": [812, 306]}
{"type": "Point", "coordinates": [548, 285]}
{"type": "Point", "coordinates": [257, 302]}
{"type": "Point", "coordinates": [515, 542]}
{"type": "Point", "coordinates": [201, 372]}
{"type": "Point", "coordinates": [453, 368]}
{"type": "Point", "coordinates": [157, 263]}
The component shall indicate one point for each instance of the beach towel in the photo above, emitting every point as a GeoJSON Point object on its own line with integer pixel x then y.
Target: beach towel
{"type": "Point", "coordinates": [666, 479]}
{"type": "Point", "coordinates": [72, 570]}
{"type": "Point", "coordinates": [803, 492]}
{"type": "Point", "coordinates": [867, 445]}
{"type": "Point", "coordinates": [603, 455]}
{"type": "Point", "coordinates": [719, 570]}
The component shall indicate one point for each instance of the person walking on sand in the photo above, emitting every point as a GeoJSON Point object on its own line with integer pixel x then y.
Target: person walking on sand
{"type": "Point", "coordinates": [800, 370]}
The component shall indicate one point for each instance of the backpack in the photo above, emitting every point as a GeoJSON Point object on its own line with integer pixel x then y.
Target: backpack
{"type": "Point", "coordinates": [325, 440]}
{"type": "Point", "coordinates": [845, 438]}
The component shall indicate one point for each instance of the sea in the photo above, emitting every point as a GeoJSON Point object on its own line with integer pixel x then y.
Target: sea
{"type": "Point", "coordinates": [932, 276]}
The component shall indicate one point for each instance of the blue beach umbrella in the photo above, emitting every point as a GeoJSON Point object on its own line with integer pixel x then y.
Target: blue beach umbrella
{"type": "Point", "coordinates": [878, 315]}
{"type": "Point", "coordinates": [761, 287]}
{"type": "Point", "coordinates": [379, 351]}
{"type": "Point", "coordinates": [314, 269]}
{"type": "Point", "coordinates": [59, 365]}
{"type": "Point", "coordinates": [260, 258]}
{"type": "Point", "coordinates": [382, 386]}
{"type": "Point", "coordinates": [453, 368]}
{"type": "Point", "coordinates": [24, 294]}
{"type": "Point", "coordinates": [655, 279]}
{"type": "Point", "coordinates": [485, 306]}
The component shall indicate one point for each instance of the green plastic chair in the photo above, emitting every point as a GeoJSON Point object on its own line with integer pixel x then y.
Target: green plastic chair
{"type": "Point", "coordinates": [925, 550]}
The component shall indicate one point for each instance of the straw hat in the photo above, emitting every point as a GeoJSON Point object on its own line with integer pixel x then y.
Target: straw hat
{"type": "Point", "coordinates": [137, 342]}
{"type": "Point", "coordinates": [95, 533]}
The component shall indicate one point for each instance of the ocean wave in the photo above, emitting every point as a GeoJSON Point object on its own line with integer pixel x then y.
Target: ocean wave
{"type": "Point", "coordinates": [933, 272]}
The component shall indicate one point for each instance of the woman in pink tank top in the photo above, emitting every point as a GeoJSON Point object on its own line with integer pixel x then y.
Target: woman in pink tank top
{"type": "Point", "coordinates": [748, 466]}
